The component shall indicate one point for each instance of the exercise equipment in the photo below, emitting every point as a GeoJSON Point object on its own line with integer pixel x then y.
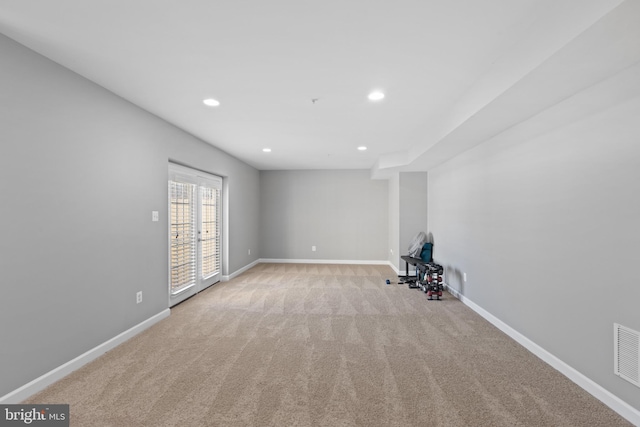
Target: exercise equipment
{"type": "Point", "coordinates": [430, 279]}
{"type": "Point", "coordinates": [416, 257]}
{"type": "Point", "coordinates": [428, 274]}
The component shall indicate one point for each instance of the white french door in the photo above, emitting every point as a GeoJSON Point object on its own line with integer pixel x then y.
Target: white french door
{"type": "Point", "coordinates": [194, 232]}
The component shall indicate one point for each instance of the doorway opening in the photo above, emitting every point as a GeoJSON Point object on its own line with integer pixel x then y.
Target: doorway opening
{"type": "Point", "coordinates": [195, 227]}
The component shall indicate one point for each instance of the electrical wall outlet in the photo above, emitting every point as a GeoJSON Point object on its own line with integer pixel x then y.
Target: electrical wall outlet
{"type": "Point", "coordinates": [155, 216]}
{"type": "Point", "coordinates": [464, 277]}
{"type": "Point", "coordinates": [313, 248]}
{"type": "Point", "coordinates": [249, 252]}
{"type": "Point", "coordinates": [139, 297]}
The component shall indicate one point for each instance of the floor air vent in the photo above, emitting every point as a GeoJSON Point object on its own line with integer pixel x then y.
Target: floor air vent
{"type": "Point", "coordinates": [626, 348]}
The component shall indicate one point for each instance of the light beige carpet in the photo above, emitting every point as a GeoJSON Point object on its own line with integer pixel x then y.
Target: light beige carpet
{"type": "Point", "coordinates": [322, 345]}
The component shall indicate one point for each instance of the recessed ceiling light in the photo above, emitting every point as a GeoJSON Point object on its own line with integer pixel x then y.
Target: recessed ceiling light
{"type": "Point", "coordinates": [362, 148]}
{"type": "Point", "coordinates": [376, 95]}
{"type": "Point", "coordinates": [210, 102]}
{"type": "Point", "coordinates": [266, 150]}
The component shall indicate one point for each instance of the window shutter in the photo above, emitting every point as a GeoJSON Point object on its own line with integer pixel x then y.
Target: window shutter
{"type": "Point", "coordinates": [210, 231]}
{"type": "Point", "coordinates": [183, 236]}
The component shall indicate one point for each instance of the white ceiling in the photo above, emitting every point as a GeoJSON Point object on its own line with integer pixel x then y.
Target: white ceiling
{"type": "Point", "coordinates": [451, 70]}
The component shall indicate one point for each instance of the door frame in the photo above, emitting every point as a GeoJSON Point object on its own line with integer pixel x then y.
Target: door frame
{"type": "Point", "coordinates": [198, 178]}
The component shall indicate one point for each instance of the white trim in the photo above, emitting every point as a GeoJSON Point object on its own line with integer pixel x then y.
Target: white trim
{"type": "Point", "coordinates": [180, 173]}
{"type": "Point", "coordinates": [62, 371]}
{"type": "Point", "coordinates": [225, 227]}
{"type": "Point", "coordinates": [239, 272]}
{"type": "Point", "coordinates": [394, 268]}
{"type": "Point", "coordinates": [325, 261]}
{"type": "Point", "coordinates": [625, 410]}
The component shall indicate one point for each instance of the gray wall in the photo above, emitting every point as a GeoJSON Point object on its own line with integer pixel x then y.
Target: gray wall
{"type": "Point", "coordinates": [394, 220]}
{"type": "Point", "coordinates": [80, 172]}
{"type": "Point", "coordinates": [546, 229]}
{"type": "Point", "coordinates": [407, 213]}
{"type": "Point", "coordinates": [342, 212]}
{"type": "Point", "coordinates": [413, 209]}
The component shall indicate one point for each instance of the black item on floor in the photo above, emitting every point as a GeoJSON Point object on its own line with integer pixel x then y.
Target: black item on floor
{"type": "Point", "coordinates": [426, 255]}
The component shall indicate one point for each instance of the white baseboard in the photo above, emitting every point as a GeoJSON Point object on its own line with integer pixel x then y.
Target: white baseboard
{"type": "Point", "coordinates": [62, 371]}
{"type": "Point", "coordinates": [325, 261]}
{"type": "Point", "coordinates": [240, 271]}
{"type": "Point", "coordinates": [625, 410]}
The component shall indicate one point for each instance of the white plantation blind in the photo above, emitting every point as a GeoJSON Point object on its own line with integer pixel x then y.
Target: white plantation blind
{"type": "Point", "coordinates": [626, 350]}
{"type": "Point", "coordinates": [209, 231]}
{"type": "Point", "coordinates": [182, 235]}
